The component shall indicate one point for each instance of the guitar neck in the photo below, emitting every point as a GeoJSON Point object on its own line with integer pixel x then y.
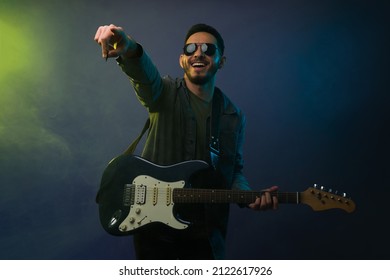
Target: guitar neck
{"type": "Point", "coordinates": [228, 196]}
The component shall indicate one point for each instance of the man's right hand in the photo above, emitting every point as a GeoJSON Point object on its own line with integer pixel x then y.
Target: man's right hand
{"type": "Point", "coordinates": [115, 42]}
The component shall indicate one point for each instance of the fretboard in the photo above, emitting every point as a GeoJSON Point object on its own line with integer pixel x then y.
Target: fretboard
{"type": "Point", "coordinates": [188, 195]}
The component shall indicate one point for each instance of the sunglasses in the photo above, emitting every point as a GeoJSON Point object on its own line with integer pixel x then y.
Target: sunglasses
{"type": "Point", "coordinates": [207, 48]}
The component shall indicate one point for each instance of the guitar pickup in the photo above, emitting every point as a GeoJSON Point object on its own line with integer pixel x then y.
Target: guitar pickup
{"type": "Point", "coordinates": [140, 194]}
{"type": "Point", "coordinates": [155, 196]}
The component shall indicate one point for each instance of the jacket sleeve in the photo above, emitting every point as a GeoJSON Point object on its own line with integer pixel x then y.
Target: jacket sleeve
{"type": "Point", "coordinates": [239, 180]}
{"type": "Point", "coordinates": [144, 77]}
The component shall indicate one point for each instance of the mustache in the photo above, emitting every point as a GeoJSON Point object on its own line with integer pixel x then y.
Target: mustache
{"type": "Point", "coordinates": [200, 60]}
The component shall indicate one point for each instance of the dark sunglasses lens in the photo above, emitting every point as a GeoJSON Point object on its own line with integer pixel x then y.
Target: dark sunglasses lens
{"type": "Point", "coordinates": [207, 49]}
{"type": "Point", "coordinates": [189, 49]}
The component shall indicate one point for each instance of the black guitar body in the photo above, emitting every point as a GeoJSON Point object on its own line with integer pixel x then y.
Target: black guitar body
{"type": "Point", "coordinates": [122, 171]}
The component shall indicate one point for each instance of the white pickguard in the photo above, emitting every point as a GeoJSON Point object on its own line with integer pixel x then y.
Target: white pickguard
{"type": "Point", "coordinates": [152, 203]}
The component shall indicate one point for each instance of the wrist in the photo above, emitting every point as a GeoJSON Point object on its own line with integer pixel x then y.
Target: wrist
{"type": "Point", "coordinates": [133, 51]}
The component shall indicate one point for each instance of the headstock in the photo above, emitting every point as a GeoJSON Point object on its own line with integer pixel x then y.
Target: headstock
{"type": "Point", "coordinates": [319, 199]}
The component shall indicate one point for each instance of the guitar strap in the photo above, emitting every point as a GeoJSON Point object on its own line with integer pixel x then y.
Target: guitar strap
{"type": "Point", "coordinates": [216, 112]}
{"type": "Point", "coordinates": [130, 150]}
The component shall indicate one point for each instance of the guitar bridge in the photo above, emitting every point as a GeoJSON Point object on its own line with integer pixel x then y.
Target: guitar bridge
{"type": "Point", "coordinates": [128, 195]}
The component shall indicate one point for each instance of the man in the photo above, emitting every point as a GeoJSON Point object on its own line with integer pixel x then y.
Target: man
{"type": "Point", "coordinates": [190, 118]}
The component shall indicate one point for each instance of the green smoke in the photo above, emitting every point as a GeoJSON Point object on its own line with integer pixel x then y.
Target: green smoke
{"type": "Point", "coordinates": [24, 66]}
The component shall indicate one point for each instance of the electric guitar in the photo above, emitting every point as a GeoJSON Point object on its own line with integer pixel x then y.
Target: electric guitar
{"type": "Point", "coordinates": [135, 193]}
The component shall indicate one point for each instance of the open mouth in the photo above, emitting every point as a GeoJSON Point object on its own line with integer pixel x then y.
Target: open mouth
{"type": "Point", "coordinates": [198, 64]}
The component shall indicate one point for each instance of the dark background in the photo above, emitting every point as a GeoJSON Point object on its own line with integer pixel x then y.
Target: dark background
{"type": "Point", "coordinates": [311, 76]}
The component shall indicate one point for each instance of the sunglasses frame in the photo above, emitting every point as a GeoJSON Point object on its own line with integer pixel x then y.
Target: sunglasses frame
{"type": "Point", "coordinates": [207, 48]}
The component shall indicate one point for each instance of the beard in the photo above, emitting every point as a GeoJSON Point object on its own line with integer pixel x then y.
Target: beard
{"type": "Point", "coordinates": [200, 78]}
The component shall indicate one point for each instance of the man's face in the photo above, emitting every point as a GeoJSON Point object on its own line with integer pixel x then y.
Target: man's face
{"type": "Point", "coordinates": [198, 67]}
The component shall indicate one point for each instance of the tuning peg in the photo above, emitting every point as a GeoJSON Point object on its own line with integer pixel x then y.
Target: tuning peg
{"type": "Point", "coordinates": [315, 186]}
{"type": "Point", "coordinates": [330, 190]}
{"type": "Point", "coordinates": [344, 195]}
{"type": "Point", "coordinates": [322, 188]}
